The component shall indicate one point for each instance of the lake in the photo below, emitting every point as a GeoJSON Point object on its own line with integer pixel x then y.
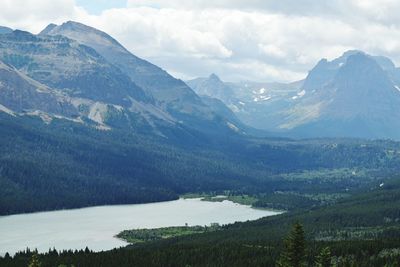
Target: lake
{"type": "Point", "coordinates": [96, 227]}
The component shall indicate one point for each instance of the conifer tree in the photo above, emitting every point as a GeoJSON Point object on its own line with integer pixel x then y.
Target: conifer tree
{"type": "Point", "coordinates": [34, 261]}
{"type": "Point", "coordinates": [294, 254]}
{"type": "Point", "coordinates": [324, 258]}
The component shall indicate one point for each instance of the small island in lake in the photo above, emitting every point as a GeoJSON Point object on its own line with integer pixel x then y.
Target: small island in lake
{"type": "Point", "coordinates": [135, 236]}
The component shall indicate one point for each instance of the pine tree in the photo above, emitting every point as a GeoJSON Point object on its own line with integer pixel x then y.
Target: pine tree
{"type": "Point", "coordinates": [324, 258]}
{"type": "Point", "coordinates": [294, 254]}
{"type": "Point", "coordinates": [34, 261]}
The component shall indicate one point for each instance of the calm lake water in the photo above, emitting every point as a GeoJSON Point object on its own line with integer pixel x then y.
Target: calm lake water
{"type": "Point", "coordinates": [96, 227]}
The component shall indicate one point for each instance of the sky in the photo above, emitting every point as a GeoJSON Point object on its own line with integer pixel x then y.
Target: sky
{"type": "Point", "coordinates": [259, 40]}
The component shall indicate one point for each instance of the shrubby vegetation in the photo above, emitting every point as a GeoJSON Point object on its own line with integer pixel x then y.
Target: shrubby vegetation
{"type": "Point", "coordinates": [147, 235]}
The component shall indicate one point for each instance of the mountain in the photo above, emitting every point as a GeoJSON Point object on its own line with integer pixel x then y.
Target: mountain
{"type": "Point", "coordinates": [98, 92]}
{"type": "Point", "coordinates": [212, 86]}
{"type": "Point", "coordinates": [104, 91]}
{"type": "Point", "coordinates": [218, 107]}
{"type": "Point", "coordinates": [21, 94]}
{"type": "Point", "coordinates": [64, 64]}
{"type": "Point", "coordinates": [5, 30]}
{"type": "Point", "coordinates": [162, 86]}
{"type": "Point", "coordinates": [352, 96]}
{"type": "Point", "coordinates": [355, 95]}
{"type": "Point", "coordinates": [77, 131]}
{"type": "Point", "coordinates": [170, 94]}
{"type": "Point", "coordinates": [254, 103]}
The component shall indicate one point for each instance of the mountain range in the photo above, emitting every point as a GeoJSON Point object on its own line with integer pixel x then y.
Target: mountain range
{"type": "Point", "coordinates": [355, 95]}
{"type": "Point", "coordinates": [78, 73]}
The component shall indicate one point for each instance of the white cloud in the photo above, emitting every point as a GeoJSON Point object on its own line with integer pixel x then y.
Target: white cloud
{"type": "Point", "coordinates": [33, 15]}
{"type": "Point", "coordinates": [272, 50]}
{"type": "Point", "coordinates": [253, 39]}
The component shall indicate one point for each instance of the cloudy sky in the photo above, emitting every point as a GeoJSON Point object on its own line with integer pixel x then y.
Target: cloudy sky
{"type": "Point", "coordinates": [263, 40]}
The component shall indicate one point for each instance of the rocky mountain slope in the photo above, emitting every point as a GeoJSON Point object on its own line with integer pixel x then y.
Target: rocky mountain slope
{"type": "Point", "coordinates": [100, 83]}
{"type": "Point", "coordinates": [170, 94]}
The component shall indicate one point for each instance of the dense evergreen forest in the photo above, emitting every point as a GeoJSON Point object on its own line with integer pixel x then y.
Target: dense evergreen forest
{"type": "Point", "coordinates": [361, 230]}
{"type": "Point", "coordinates": [67, 165]}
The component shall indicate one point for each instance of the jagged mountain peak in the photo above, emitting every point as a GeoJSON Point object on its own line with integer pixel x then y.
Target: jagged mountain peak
{"type": "Point", "coordinates": [48, 28]}
{"type": "Point", "coordinates": [384, 62]}
{"type": "Point", "coordinates": [325, 71]}
{"type": "Point", "coordinates": [348, 77]}
{"type": "Point", "coordinates": [353, 96]}
{"type": "Point", "coordinates": [214, 77]}
{"type": "Point", "coordinates": [62, 63]}
{"type": "Point", "coordinates": [77, 31]}
{"type": "Point", "coordinates": [318, 76]}
{"type": "Point", "coordinates": [150, 77]}
{"type": "Point", "coordinates": [351, 52]}
{"type": "Point", "coordinates": [211, 86]}
{"type": "Point", "coordinates": [360, 60]}
{"type": "Point", "coordinates": [363, 79]}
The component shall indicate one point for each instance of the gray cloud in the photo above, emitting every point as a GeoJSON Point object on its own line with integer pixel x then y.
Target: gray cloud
{"type": "Point", "coordinates": [257, 40]}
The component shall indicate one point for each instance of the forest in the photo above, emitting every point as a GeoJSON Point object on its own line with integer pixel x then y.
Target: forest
{"type": "Point", "coordinates": [68, 165]}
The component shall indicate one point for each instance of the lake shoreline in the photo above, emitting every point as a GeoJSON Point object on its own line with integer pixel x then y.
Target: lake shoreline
{"type": "Point", "coordinates": [234, 198]}
{"type": "Point", "coordinates": [201, 196]}
{"type": "Point", "coordinates": [89, 206]}
{"type": "Point", "coordinates": [96, 227]}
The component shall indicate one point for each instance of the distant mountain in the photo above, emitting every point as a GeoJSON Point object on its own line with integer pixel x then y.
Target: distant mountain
{"type": "Point", "coordinates": [254, 103]}
{"type": "Point", "coordinates": [212, 86]}
{"type": "Point", "coordinates": [352, 96]}
{"type": "Point", "coordinates": [326, 70]}
{"type": "Point", "coordinates": [355, 95]}
{"type": "Point", "coordinates": [85, 75]}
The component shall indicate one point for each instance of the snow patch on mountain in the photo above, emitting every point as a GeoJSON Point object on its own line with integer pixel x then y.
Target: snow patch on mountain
{"type": "Point", "coordinates": [299, 94]}
{"type": "Point", "coordinates": [232, 126]}
{"type": "Point", "coordinates": [261, 98]}
{"type": "Point", "coordinates": [234, 108]}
